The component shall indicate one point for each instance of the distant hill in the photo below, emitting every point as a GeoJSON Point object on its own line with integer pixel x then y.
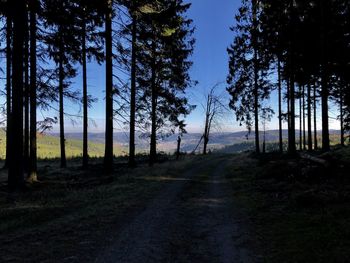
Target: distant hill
{"type": "Point", "coordinates": [231, 141]}
{"type": "Point", "coordinates": [49, 147]}
{"type": "Point", "coordinates": [48, 144]}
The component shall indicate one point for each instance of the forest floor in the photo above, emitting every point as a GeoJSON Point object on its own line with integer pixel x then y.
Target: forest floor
{"type": "Point", "coordinates": [217, 208]}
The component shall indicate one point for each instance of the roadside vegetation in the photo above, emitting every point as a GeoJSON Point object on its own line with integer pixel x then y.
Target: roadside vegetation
{"type": "Point", "coordinates": [71, 213]}
{"type": "Point", "coordinates": [299, 210]}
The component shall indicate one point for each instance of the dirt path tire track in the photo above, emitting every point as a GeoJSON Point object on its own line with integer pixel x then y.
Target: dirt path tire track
{"type": "Point", "coordinates": [191, 220]}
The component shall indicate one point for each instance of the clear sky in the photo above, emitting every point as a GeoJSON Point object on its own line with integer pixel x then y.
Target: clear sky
{"type": "Point", "coordinates": [212, 20]}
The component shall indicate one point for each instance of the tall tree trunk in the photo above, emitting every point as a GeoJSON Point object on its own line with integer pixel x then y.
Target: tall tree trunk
{"type": "Point", "coordinates": [309, 129]}
{"type": "Point", "coordinates": [33, 103]}
{"type": "Point", "coordinates": [26, 97]}
{"type": "Point", "coordinates": [324, 81]}
{"type": "Point", "coordinates": [315, 118]}
{"type": "Point", "coordinates": [324, 109]}
{"type": "Point", "coordinates": [256, 76]}
{"type": "Point", "coordinates": [288, 110]}
{"type": "Point", "coordinates": [291, 139]}
{"type": "Point", "coordinates": [8, 87]}
{"type": "Point", "coordinates": [108, 158]}
{"type": "Point", "coordinates": [85, 97]}
{"type": "Point", "coordinates": [132, 162]}
{"type": "Point", "coordinates": [15, 173]}
{"type": "Point", "coordinates": [207, 124]}
{"type": "Point", "coordinates": [178, 149]}
{"type": "Point", "coordinates": [304, 120]}
{"type": "Point", "coordinates": [205, 136]}
{"type": "Point", "coordinates": [341, 109]}
{"type": "Point", "coordinates": [300, 120]}
{"type": "Point", "coordinates": [280, 106]}
{"type": "Point", "coordinates": [291, 147]}
{"type": "Point", "coordinates": [61, 104]}
{"type": "Point", "coordinates": [153, 146]}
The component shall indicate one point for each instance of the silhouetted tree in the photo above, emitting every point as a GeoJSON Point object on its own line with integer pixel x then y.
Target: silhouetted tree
{"type": "Point", "coordinates": [15, 173]}
{"type": "Point", "coordinates": [33, 8]}
{"type": "Point", "coordinates": [90, 14]}
{"type": "Point", "coordinates": [165, 44]}
{"type": "Point", "coordinates": [248, 68]}
{"type": "Point", "coordinates": [214, 110]}
{"type": "Point", "coordinates": [63, 42]}
{"type": "Point", "coordinates": [108, 158]}
{"type": "Point", "coordinates": [8, 85]}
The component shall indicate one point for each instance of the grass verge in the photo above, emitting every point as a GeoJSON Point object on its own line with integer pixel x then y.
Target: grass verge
{"type": "Point", "coordinates": [70, 214]}
{"type": "Point", "coordinates": [299, 212]}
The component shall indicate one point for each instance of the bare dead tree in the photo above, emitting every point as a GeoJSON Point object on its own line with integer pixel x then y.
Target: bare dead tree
{"type": "Point", "coordinates": [215, 110]}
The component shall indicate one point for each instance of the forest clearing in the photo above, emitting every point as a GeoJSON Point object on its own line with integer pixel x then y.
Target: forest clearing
{"type": "Point", "coordinates": [219, 208]}
{"type": "Point", "coordinates": [174, 131]}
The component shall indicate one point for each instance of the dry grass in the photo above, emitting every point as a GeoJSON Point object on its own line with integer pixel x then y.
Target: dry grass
{"type": "Point", "coordinates": [71, 214]}
{"type": "Point", "coordinates": [299, 214]}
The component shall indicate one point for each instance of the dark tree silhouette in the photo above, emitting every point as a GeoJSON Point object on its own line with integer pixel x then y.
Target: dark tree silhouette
{"type": "Point", "coordinates": [8, 85]}
{"type": "Point", "coordinates": [33, 7]}
{"type": "Point", "coordinates": [248, 68]}
{"type": "Point", "coordinates": [90, 13]}
{"type": "Point", "coordinates": [108, 158]}
{"type": "Point", "coordinates": [63, 42]}
{"type": "Point", "coordinates": [165, 44]}
{"type": "Point", "coordinates": [15, 173]}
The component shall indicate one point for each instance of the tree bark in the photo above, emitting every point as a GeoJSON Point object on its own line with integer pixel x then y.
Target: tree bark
{"type": "Point", "coordinates": [178, 148]}
{"type": "Point", "coordinates": [341, 109]}
{"type": "Point", "coordinates": [309, 129]}
{"type": "Point", "coordinates": [61, 103]}
{"type": "Point", "coordinates": [8, 87]}
{"type": "Point", "coordinates": [26, 97]}
{"type": "Point", "coordinates": [132, 162]}
{"type": "Point", "coordinates": [288, 110]}
{"type": "Point", "coordinates": [280, 106]}
{"type": "Point", "coordinates": [300, 120]}
{"type": "Point", "coordinates": [304, 120]}
{"type": "Point", "coordinates": [324, 81]}
{"type": "Point", "coordinates": [153, 146]}
{"type": "Point", "coordinates": [315, 118]}
{"type": "Point", "coordinates": [291, 139]}
{"type": "Point", "coordinates": [256, 76]}
{"type": "Point", "coordinates": [108, 158]}
{"type": "Point", "coordinates": [85, 97]}
{"type": "Point", "coordinates": [207, 124]}
{"type": "Point", "coordinates": [15, 173]}
{"type": "Point", "coordinates": [33, 103]}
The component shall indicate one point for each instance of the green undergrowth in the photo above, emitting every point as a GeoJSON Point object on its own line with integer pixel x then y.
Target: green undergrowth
{"type": "Point", "coordinates": [299, 212]}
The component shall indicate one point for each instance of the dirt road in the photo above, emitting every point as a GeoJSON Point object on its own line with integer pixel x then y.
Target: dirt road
{"type": "Point", "coordinates": [193, 219]}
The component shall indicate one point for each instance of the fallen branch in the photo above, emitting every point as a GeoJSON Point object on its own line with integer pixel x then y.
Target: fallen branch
{"type": "Point", "coordinates": [314, 159]}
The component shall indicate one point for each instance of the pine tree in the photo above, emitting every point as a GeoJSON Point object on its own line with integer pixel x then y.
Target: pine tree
{"type": "Point", "coordinates": [63, 44]}
{"type": "Point", "coordinates": [165, 45]}
{"type": "Point", "coordinates": [8, 85]}
{"type": "Point", "coordinates": [248, 68]}
{"type": "Point", "coordinates": [90, 15]}
{"type": "Point", "coordinates": [16, 168]}
{"type": "Point", "coordinates": [33, 8]}
{"type": "Point", "coordinates": [108, 158]}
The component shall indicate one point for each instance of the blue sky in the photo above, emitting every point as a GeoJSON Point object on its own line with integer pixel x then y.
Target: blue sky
{"type": "Point", "coordinates": [212, 19]}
